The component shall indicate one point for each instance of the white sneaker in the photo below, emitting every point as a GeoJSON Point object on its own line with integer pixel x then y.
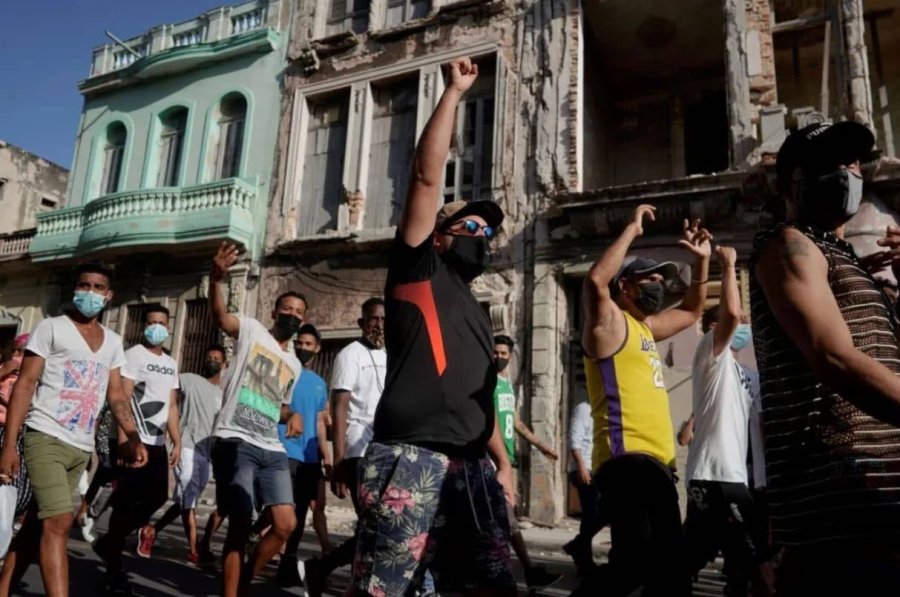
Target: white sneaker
{"type": "Point", "coordinates": [87, 526]}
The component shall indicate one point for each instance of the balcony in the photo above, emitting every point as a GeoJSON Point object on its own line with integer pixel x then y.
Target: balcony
{"type": "Point", "coordinates": [220, 33]}
{"type": "Point", "coordinates": [149, 218]}
{"type": "Point", "coordinates": [15, 245]}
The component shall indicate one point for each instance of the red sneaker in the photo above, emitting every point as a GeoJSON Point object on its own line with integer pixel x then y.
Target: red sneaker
{"type": "Point", "coordinates": [145, 543]}
{"type": "Point", "coordinates": [193, 558]}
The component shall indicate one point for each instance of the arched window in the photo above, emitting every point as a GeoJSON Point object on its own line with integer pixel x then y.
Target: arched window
{"type": "Point", "coordinates": [232, 116]}
{"type": "Point", "coordinates": [113, 154]}
{"type": "Point", "coordinates": [171, 141]}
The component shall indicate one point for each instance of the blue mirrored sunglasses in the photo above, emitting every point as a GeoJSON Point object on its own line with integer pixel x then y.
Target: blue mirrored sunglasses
{"type": "Point", "coordinates": [472, 227]}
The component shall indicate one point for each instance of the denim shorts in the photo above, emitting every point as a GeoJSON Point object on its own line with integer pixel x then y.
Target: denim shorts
{"type": "Point", "coordinates": [249, 477]}
{"type": "Point", "coordinates": [421, 510]}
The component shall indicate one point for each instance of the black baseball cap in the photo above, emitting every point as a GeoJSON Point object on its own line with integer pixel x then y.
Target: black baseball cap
{"type": "Point", "coordinates": [457, 210]}
{"type": "Point", "coordinates": [639, 267]}
{"type": "Point", "coordinates": [841, 143]}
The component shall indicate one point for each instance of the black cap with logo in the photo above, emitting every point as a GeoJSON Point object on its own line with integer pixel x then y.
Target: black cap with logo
{"type": "Point", "coordinates": [824, 145]}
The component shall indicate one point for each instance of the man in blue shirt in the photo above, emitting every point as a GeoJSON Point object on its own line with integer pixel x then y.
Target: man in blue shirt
{"type": "Point", "coordinates": [307, 454]}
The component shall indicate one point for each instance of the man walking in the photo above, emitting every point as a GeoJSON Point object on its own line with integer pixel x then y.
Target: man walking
{"type": "Point", "coordinates": [307, 454]}
{"type": "Point", "coordinates": [71, 364]}
{"type": "Point", "coordinates": [826, 346]}
{"type": "Point", "coordinates": [151, 378]}
{"type": "Point", "coordinates": [357, 382]}
{"type": "Point", "coordinates": [536, 576]}
{"type": "Point", "coordinates": [634, 444]}
{"type": "Point", "coordinates": [429, 494]}
{"type": "Point", "coordinates": [581, 447]}
{"type": "Point", "coordinates": [249, 460]}
{"type": "Point", "coordinates": [200, 402]}
{"type": "Point", "coordinates": [721, 514]}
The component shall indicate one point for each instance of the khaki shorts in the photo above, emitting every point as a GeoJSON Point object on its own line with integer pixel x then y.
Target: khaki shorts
{"type": "Point", "coordinates": [54, 468]}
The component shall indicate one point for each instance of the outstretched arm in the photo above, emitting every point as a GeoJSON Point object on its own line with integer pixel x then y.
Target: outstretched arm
{"type": "Point", "coordinates": [224, 258]}
{"type": "Point", "coordinates": [529, 436]}
{"type": "Point", "coordinates": [667, 324]}
{"type": "Point", "coordinates": [417, 220]}
{"type": "Point", "coordinates": [604, 326]}
{"type": "Point", "coordinates": [730, 309]}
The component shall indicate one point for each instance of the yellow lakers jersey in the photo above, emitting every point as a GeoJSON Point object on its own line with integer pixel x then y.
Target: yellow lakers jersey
{"type": "Point", "coordinates": [629, 402]}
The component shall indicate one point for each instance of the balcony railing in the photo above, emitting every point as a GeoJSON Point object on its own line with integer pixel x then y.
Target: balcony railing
{"type": "Point", "coordinates": [15, 244]}
{"type": "Point", "coordinates": [221, 209]}
{"type": "Point", "coordinates": [215, 25]}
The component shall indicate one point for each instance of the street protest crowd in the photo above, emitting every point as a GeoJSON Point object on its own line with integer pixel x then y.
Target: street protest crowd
{"type": "Point", "coordinates": [793, 473]}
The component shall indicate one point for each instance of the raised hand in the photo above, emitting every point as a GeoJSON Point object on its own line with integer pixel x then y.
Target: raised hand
{"type": "Point", "coordinates": [696, 239]}
{"type": "Point", "coordinates": [463, 73]}
{"type": "Point", "coordinates": [890, 256]}
{"type": "Point", "coordinates": [727, 256]}
{"type": "Point", "coordinates": [225, 257]}
{"type": "Point", "coordinates": [640, 213]}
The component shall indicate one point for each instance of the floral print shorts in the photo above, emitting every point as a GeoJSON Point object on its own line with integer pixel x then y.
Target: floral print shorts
{"type": "Point", "coordinates": [421, 510]}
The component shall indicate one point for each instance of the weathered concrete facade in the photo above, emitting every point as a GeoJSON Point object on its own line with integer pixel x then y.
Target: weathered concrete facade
{"type": "Point", "coordinates": [583, 111]}
{"type": "Point", "coordinates": [29, 185]}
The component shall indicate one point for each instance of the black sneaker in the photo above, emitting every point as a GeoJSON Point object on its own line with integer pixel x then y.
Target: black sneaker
{"type": "Point", "coordinates": [313, 579]}
{"type": "Point", "coordinates": [116, 585]}
{"type": "Point", "coordinates": [207, 560]}
{"type": "Point", "coordinates": [538, 578]}
{"type": "Point", "coordinates": [288, 575]}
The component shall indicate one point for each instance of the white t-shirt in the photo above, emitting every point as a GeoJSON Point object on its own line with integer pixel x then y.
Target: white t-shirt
{"type": "Point", "coordinates": [359, 370]}
{"type": "Point", "coordinates": [154, 379]}
{"type": "Point", "coordinates": [581, 435]}
{"type": "Point", "coordinates": [260, 381]}
{"type": "Point", "coordinates": [722, 403]}
{"type": "Point", "coordinates": [72, 386]}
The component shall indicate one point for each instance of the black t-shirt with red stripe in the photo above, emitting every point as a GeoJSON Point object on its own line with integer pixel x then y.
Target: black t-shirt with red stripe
{"type": "Point", "coordinates": [441, 370]}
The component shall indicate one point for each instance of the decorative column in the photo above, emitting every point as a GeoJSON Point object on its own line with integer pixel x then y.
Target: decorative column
{"type": "Point", "coordinates": [737, 87]}
{"type": "Point", "coordinates": [856, 62]}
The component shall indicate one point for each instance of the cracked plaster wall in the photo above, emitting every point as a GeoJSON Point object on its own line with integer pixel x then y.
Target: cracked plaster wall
{"type": "Point", "coordinates": [25, 179]}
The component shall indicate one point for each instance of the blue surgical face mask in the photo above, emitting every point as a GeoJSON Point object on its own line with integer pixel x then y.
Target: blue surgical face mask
{"type": "Point", "coordinates": [156, 334]}
{"type": "Point", "coordinates": [89, 303]}
{"type": "Point", "coordinates": [742, 337]}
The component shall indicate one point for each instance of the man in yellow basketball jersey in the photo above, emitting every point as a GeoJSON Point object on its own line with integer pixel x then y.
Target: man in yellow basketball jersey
{"type": "Point", "coordinates": [634, 444]}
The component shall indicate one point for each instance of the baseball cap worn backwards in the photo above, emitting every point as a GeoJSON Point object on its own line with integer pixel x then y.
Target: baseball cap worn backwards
{"type": "Point", "coordinates": [457, 210]}
{"type": "Point", "coordinates": [639, 267]}
{"type": "Point", "coordinates": [823, 144]}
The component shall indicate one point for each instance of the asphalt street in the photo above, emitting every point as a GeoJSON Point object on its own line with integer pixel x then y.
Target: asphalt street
{"type": "Point", "coordinates": [168, 574]}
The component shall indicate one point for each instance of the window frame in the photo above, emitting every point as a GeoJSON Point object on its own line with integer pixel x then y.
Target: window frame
{"type": "Point", "coordinates": [231, 139]}
{"type": "Point", "coordinates": [170, 160]}
{"type": "Point", "coordinates": [407, 11]}
{"type": "Point", "coordinates": [113, 162]}
{"type": "Point", "coordinates": [347, 19]}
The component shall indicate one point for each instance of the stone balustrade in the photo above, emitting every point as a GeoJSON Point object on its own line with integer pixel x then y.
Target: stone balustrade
{"type": "Point", "coordinates": [15, 244]}
{"type": "Point", "coordinates": [220, 209]}
{"type": "Point", "coordinates": [215, 25]}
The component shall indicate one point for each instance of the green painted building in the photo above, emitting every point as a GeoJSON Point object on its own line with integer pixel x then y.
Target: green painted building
{"type": "Point", "coordinates": [173, 155]}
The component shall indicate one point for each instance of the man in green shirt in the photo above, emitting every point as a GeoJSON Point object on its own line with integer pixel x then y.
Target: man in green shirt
{"type": "Point", "coordinates": [536, 576]}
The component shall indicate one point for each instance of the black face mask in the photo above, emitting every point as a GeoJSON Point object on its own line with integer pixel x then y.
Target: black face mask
{"type": "Point", "coordinates": [650, 297]}
{"type": "Point", "coordinates": [286, 325]}
{"type": "Point", "coordinates": [502, 364]}
{"type": "Point", "coordinates": [210, 369]}
{"type": "Point", "coordinates": [468, 256]}
{"type": "Point", "coordinates": [305, 356]}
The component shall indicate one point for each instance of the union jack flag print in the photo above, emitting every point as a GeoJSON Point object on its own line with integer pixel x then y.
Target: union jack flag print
{"type": "Point", "coordinates": [84, 382]}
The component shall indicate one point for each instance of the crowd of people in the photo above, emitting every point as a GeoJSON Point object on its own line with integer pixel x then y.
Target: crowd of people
{"type": "Point", "coordinates": [791, 473]}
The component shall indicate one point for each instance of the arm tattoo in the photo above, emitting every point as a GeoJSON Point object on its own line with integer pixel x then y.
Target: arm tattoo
{"type": "Point", "coordinates": [794, 247]}
{"type": "Point", "coordinates": [121, 410]}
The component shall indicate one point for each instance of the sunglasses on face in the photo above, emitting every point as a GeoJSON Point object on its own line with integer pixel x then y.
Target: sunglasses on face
{"type": "Point", "coordinates": [472, 227]}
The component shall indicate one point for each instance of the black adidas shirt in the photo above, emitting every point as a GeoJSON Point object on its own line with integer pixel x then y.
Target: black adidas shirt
{"type": "Point", "coordinates": [441, 373]}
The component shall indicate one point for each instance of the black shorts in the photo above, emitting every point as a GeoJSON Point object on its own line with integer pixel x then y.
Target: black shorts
{"type": "Point", "coordinates": [305, 477]}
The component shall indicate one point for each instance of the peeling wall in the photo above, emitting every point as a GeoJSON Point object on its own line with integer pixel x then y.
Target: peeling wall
{"type": "Point", "coordinates": [25, 180]}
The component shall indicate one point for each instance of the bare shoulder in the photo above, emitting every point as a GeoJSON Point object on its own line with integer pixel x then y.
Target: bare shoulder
{"type": "Point", "coordinates": [789, 250]}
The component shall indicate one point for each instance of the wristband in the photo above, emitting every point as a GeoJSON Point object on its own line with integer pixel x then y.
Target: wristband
{"type": "Point", "coordinates": [700, 282]}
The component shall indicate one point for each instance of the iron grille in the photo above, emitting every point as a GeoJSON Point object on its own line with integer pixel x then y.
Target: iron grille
{"type": "Point", "coordinates": [199, 333]}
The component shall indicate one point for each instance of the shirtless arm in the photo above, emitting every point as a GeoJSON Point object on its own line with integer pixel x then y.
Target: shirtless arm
{"type": "Point", "coordinates": [793, 275]}
{"type": "Point", "coordinates": [604, 325]}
